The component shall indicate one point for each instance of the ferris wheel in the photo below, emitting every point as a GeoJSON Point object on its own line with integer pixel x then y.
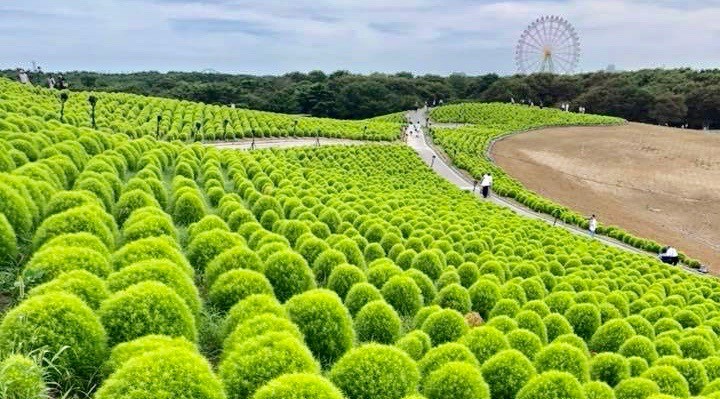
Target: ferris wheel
{"type": "Point", "coordinates": [549, 44]}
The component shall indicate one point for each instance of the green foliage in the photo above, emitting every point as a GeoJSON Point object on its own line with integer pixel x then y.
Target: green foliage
{"type": "Point", "coordinates": [416, 343]}
{"type": "Point", "coordinates": [563, 357]}
{"type": "Point", "coordinates": [257, 326]}
{"type": "Point", "coordinates": [636, 388]}
{"type": "Point", "coordinates": [298, 386]}
{"type": "Point", "coordinates": [556, 325]}
{"type": "Point", "coordinates": [429, 263]}
{"type": "Point", "coordinates": [484, 342]}
{"type": "Point", "coordinates": [454, 296]}
{"type": "Point", "coordinates": [325, 323]}
{"type": "Point", "coordinates": [359, 295]}
{"type": "Point", "coordinates": [668, 380]}
{"type": "Point", "coordinates": [85, 285]}
{"type": "Point", "coordinates": [456, 380]}
{"type": "Point", "coordinates": [598, 390]}
{"type": "Point", "coordinates": [584, 319]}
{"type": "Point", "coordinates": [552, 384]}
{"type": "Point", "coordinates": [146, 308]}
{"type": "Point", "coordinates": [639, 346]}
{"type": "Point", "coordinates": [375, 371]}
{"type": "Point", "coordinates": [289, 274]}
{"type": "Point", "coordinates": [251, 306]}
{"type": "Point", "coordinates": [209, 244]}
{"type": "Point", "coordinates": [22, 378]}
{"type": "Point", "coordinates": [445, 353]}
{"type": "Point", "coordinates": [445, 325]}
{"type": "Point", "coordinates": [525, 341]}
{"type": "Point", "coordinates": [63, 326]}
{"type": "Point", "coordinates": [611, 335]}
{"type": "Point", "coordinates": [49, 263]}
{"type": "Point", "coordinates": [237, 257]}
{"type": "Point", "coordinates": [377, 322]}
{"type": "Point", "coordinates": [170, 372]}
{"type": "Point", "coordinates": [344, 277]}
{"type": "Point", "coordinates": [236, 285]}
{"type": "Point", "coordinates": [403, 294]}
{"type": "Point", "coordinates": [506, 373]}
{"type": "Point", "coordinates": [609, 367]}
{"type": "Point", "coordinates": [125, 351]}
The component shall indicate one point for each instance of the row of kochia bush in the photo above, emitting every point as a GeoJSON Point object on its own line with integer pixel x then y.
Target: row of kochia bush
{"type": "Point", "coordinates": [169, 119]}
{"type": "Point", "coordinates": [312, 256]}
{"type": "Point", "coordinates": [467, 146]}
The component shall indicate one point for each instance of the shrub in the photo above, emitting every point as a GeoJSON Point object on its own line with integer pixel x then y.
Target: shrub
{"type": "Point", "coordinates": [530, 321]}
{"type": "Point", "coordinates": [696, 347]}
{"type": "Point", "coordinates": [90, 219]}
{"type": "Point", "coordinates": [668, 380]}
{"type": "Point", "coordinates": [374, 251]}
{"type": "Point", "coordinates": [469, 274]}
{"type": "Point", "coordinates": [525, 341]}
{"type": "Point", "coordinates": [169, 372]}
{"type": "Point", "coordinates": [506, 373]}
{"type": "Point", "coordinates": [251, 306]}
{"type": "Point", "coordinates": [505, 307]}
{"type": "Point", "coordinates": [712, 367]}
{"type": "Point", "coordinates": [428, 262]}
{"type": "Point", "coordinates": [556, 325]}
{"type": "Point", "coordinates": [611, 335]}
{"type": "Point", "coordinates": [359, 295]}
{"type": "Point", "coordinates": [445, 353]}
{"type": "Point", "coordinates": [146, 308]}
{"type": "Point", "coordinates": [325, 323]}
{"type": "Point", "coordinates": [343, 277]}
{"type": "Point", "coordinates": [85, 285]}
{"type": "Point", "coordinates": [416, 343]}
{"type": "Point", "coordinates": [130, 201]}
{"type": "Point", "coordinates": [237, 257]}
{"type": "Point", "coordinates": [503, 323]}
{"type": "Point", "coordinates": [151, 248]}
{"type": "Point", "coordinates": [692, 371]}
{"type": "Point", "coordinates": [403, 294]}
{"type": "Point", "coordinates": [641, 326]}
{"type": "Point", "coordinates": [377, 322]}
{"type": "Point", "coordinates": [484, 342]}
{"type": "Point", "coordinates": [638, 365]}
{"type": "Point", "coordinates": [64, 327]}
{"type": "Point", "coordinates": [49, 263]}
{"type": "Point", "coordinates": [552, 384]}
{"type": "Point", "coordinates": [448, 277]}
{"type": "Point", "coordinates": [257, 326]}
{"type": "Point", "coordinates": [598, 390]}
{"type": "Point", "coordinates": [456, 380]}
{"type": "Point", "coordinates": [298, 386]}
{"type": "Point", "coordinates": [666, 324]}
{"type": "Point", "coordinates": [8, 243]}
{"type": "Point", "coordinates": [636, 388]}
{"type": "Point", "coordinates": [236, 285]}
{"type": "Point", "coordinates": [454, 296]}
{"type": "Point", "coordinates": [559, 301]}
{"type": "Point", "coordinates": [125, 351]}
{"type": "Point", "coordinates": [444, 326]}
{"type": "Point", "coordinates": [563, 357]}
{"type": "Point", "coordinates": [584, 318]}
{"type": "Point", "coordinates": [424, 283]}
{"type": "Point", "coordinates": [209, 244]}
{"type": "Point", "coordinates": [21, 378]}
{"type": "Point", "coordinates": [666, 346]}
{"type": "Point", "coordinates": [375, 371]}
{"type": "Point", "coordinates": [639, 346]}
{"type": "Point", "coordinates": [82, 240]}
{"type": "Point", "coordinates": [381, 271]}
{"type": "Point", "coordinates": [188, 209]}
{"type": "Point", "coordinates": [259, 360]}
{"type": "Point", "coordinates": [610, 368]}
{"type": "Point", "coordinates": [148, 222]}
{"type": "Point", "coordinates": [289, 274]}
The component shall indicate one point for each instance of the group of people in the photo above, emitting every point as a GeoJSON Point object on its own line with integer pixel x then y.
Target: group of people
{"type": "Point", "coordinates": [23, 77]}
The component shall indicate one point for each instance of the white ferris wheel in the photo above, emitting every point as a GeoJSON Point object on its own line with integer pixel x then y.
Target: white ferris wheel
{"type": "Point", "coordinates": [549, 44]}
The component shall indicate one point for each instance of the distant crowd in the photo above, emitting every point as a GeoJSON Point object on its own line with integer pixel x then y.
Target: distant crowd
{"type": "Point", "coordinates": [53, 82]}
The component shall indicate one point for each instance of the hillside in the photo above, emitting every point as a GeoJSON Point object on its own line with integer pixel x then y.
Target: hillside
{"type": "Point", "coordinates": [148, 268]}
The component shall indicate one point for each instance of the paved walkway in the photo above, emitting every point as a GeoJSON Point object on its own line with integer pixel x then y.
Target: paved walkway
{"type": "Point", "coordinates": [285, 142]}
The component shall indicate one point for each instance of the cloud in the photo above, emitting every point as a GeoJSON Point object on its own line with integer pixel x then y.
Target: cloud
{"type": "Point", "coordinates": [274, 36]}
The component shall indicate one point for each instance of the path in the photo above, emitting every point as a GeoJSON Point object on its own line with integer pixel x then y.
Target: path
{"type": "Point", "coordinates": [285, 142]}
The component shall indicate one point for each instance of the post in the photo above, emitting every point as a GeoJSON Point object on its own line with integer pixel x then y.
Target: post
{"type": "Point", "coordinates": [93, 101]}
{"type": "Point", "coordinates": [157, 127]}
{"type": "Point", "coordinates": [432, 162]}
{"type": "Point", "coordinates": [252, 144]}
{"type": "Point", "coordinates": [475, 183]}
{"type": "Point", "coordinates": [63, 99]}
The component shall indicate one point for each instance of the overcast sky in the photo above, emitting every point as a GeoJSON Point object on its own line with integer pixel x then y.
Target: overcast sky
{"type": "Point", "coordinates": [274, 37]}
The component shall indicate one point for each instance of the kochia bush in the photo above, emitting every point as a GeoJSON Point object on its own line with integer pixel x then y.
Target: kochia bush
{"type": "Point", "coordinates": [610, 368]}
{"type": "Point", "coordinates": [584, 318]}
{"type": "Point", "coordinates": [375, 371]}
{"type": "Point", "coordinates": [235, 285]}
{"type": "Point", "coordinates": [289, 274]}
{"type": "Point", "coordinates": [359, 295]}
{"type": "Point", "coordinates": [22, 378]}
{"type": "Point", "coordinates": [125, 351]}
{"type": "Point", "coordinates": [377, 322]}
{"type": "Point", "coordinates": [456, 380]}
{"type": "Point", "coordinates": [257, 326]}
{"type": "Point", "coordinates": [454, 296]}
{"type": "Point", "coordinates": [445, 325]}
{"type": "Point", "coordinates": [669, 380]}
{"type": "Point", "coordinates": [403, 294]}
{"type": "Point", "coordinates": [611, 335]}
{"type": "Point", "coordinates": [484, 342]}
{"type": "Point", "coordinates": [85, 285]}
{"type": "Point", "coordinates": [49, 263]}
{"type": "Point", "coordinates": [552, 384]}
{"type": "Point", "coordinates": [146, 308]}
{"type": "Point", "coordinates": [298, 386]}
{"type": "Point", "coordinates": [636, 388]}
{"type": "Point", "coordinates": [209, 244]}
{"type": "Point", "coordinates": [343, 277]}
{"type": "Point", "coordinates": [416, 343]}
{"type": "Point", "coordinates": [237, 257]}
{"type": "Point", "coordinates": [62, 325]}
{"type": "Point", "coordinates": [506, 373]}
{"type": "Point", "coordinates": [253, 305]}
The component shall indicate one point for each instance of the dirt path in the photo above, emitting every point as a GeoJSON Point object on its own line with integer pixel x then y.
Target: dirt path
{"type": "Point", "coordinates": [655, 182]}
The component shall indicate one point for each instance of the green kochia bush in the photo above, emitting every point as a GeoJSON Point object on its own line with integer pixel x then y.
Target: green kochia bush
{"type": "Point", "coordinates": [85, 285]}
{"type": "Point", "coordinates": [172, 372]}
{"type": "Point", "coordinates": [64, 327]}
{"type": "Point", "coordinates": [429, 263]}
{"type": "Point", "coordinates": [21, 378]}
{"type": "Point", "coordinates": [375, 371]}
{"type": "Point", "coordinates": [403, 294]}
{"type": "Point", "coordinates": [506, 373]}
{"type": "Point", "coordinates": [125, 351]}
{"type": "Point", "coordinates": [359, 295]}
{"type": "Point", "coordinates": [445, 353]}
{"type": "Point", "coordinates": [445, 325]}
{"type": "Point", "coordinates": [556, 325]}
{"type": "Point", "coordinates": [563, 357]}
{"type": "Point", "coordinates": [146, 308]}
{"type": "Point", "coordinates": [611, 335]}
{"type": "Point", "coordinates": [236, 285]}
{"type": "Point", "coordinates": [324, 321]}
{"type": "Point", "coordinates": [636, 388]}
{"type": "Point", "coordinates": [343, 277]}
{"type": "Point", "coordinates": [598, 390]}
{"type": "Point", "coordinates": [49, 263]}
{"type": "Point", "coordinates": [454, 296]}
{"type": "Point", "coordinates": [584, 318]}
{"type": "Point", "coordinates": [246, 309]}
{"type": "Point", "coordinates": [259, 360]}
{"type": "Point", "coordinates": [209, 244]}
{"type": "Point", "coordinates": [237, 257]}
{"type": "Point", "coordinates": [639, 346]}
{"type": "Point", "coordinates": [151, 248]}
{"type": "Point", "coordinates": [525, 341]}
{"type": "Point", "coordinates": [610, 368]}
{"type": "Point", "coordinates": [484, 342]}
{"type": "Point", "coordinates": [377, 322]}
{"type": "Point", "coordinates": [298, 386]}
{"type": "Point", "coordinates": [456, 380]}
{"type": "Point", "coordinates": [669, 380]}
{"type": "Point", "coordinates": [289, 274]}
{"type": "Point", "coordinates": [552, 384]}
{"type": "Point", "coordinates": [257, 326]}
{"type": "Point", "coordinates": [416, 343]}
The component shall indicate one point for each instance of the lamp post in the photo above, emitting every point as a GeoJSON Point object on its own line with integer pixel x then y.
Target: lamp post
{"type": "Point", "coordinates": [63, 99]}
{"type": "Point", "coordinates": [432, 162]}
{"type": "Point", "coordinates": [475, 183]}
{"type": "Point", "coordinates": [157, 126]}
{"type": "Point", "coordinates": [93, 101]}
{"type": "Point", "coordinates": [252, 144]}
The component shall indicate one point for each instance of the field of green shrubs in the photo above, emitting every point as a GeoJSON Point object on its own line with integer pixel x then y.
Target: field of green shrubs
{"type": "Point", "coordinates": [141, 268]}
{"type": "Point", "coordinates": [467, 147]}
{"type": "Point", "coordinates": [169, 119]}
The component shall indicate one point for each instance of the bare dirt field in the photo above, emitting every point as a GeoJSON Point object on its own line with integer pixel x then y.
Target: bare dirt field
{"type": "Point", "coordinates": [655, 182]}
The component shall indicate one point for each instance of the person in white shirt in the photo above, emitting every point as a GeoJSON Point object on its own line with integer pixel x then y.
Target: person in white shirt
{"type": "Point", "coordinates": [486, 183]}
{"type": "Point", "coordinates": [592, 225]}
{"type": "Point", "coordinates": [669, 255]}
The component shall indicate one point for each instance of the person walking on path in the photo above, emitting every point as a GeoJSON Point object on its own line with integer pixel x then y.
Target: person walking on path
{"type": "Point", "coordinates": [486, 183]}
{"type": "Point", "coordinates": [592, 225]}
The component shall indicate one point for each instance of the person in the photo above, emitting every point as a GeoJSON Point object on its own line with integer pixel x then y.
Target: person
{"type": "Point", "coordinates": [669, 255]}
{"type": "Point", "coordinates": [486, 183]}
{"type": "Point", "coordinates": [23, 76]}
{"type": "Point", "coordinates": [61, 82]}
{"type": "Point", "coordinates": [51, 82]}
{"type": "Point", "coordinates": [592, 225]}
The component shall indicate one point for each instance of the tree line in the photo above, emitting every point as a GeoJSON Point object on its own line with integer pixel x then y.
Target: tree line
{"type": "Point", "coordinates": [661, 96]}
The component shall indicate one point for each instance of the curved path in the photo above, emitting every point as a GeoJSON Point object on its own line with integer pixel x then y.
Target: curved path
{"type": "Point", "coordinates": [439, 162]}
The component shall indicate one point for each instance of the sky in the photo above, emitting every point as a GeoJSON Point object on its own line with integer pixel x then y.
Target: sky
{"type": "Point", "coordinates": [265, 37]}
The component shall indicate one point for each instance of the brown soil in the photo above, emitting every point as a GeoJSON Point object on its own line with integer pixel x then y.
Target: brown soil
{"type": "Point", "coordinates": [655, 182]}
